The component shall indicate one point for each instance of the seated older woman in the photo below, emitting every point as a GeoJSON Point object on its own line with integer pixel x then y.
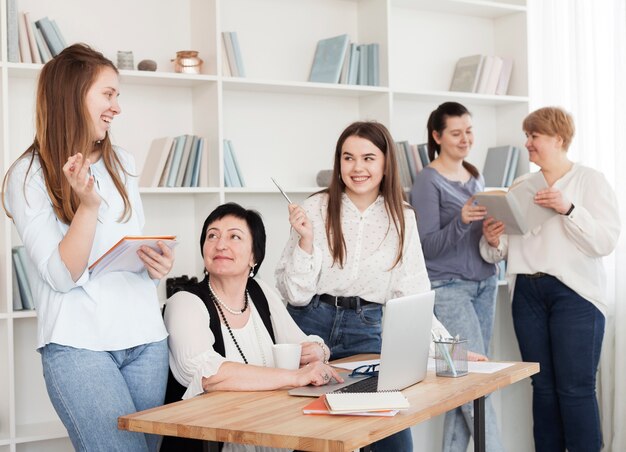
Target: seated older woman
{"type": "Point", "coordinates": [221, 331]}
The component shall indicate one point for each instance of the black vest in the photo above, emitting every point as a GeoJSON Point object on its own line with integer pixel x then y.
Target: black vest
{"type": "Point", "coordinates": [175, 390]}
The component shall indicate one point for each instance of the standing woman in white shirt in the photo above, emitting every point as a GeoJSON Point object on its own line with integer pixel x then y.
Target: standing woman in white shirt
{"type": "Point", "coordinates": [72, 195]}
{"type": "Point", "coordinates": [353, 246]}
{"type": "Point", "coordinates": [559, 304]}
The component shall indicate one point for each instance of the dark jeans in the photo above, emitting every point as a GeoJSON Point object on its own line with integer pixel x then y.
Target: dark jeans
{"type": "Point", "coordinates": [563, 332]}
{"type": "Point", "coordinates": [348, 332]}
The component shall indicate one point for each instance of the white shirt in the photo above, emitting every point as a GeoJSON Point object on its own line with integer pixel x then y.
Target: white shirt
{"type": "Point", "coordinates": [191, 340]}
{"type": "Point", "coordinates": [570, 247]}
{"type": "Point", "coordinates": [371, 248]}
{"type": "Point", "coordinates": [114, 311]}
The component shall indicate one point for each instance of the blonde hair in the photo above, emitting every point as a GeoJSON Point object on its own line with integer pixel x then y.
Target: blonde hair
{"type": "Point", "coordinates": [551, 121]}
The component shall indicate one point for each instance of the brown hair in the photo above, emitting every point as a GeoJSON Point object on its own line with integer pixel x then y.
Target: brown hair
{"type": "Point", "coordinates": [390, 187]}
{"type": "Point", "coordinates": [551, 121]}
{"type": "Point", "coordinates": [62, 127]}
{"type": "Point", "coordinates": [437, 122]}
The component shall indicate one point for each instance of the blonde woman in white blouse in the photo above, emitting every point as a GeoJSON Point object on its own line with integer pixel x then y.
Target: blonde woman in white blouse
{"type": "Point", "coordinates": [354, 246]}
{"type": "Point", "coordinates": [559, 301]}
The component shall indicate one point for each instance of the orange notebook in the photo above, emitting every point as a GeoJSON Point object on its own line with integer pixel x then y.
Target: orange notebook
{"type": "Point", "coordinates": [123, 255]}
{"type": "Point", "coordinates": [319, 406]}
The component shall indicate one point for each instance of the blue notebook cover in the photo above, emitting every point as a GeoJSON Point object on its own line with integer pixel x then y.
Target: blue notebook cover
{"type": "Point", "coordinates": [177, 156]}
{"type": "Point", "coordinates": [237, 51]}
{"type": "Point", "coordinates": [329, 56]}
{"type": "Point", "coordinates": [195, 179]}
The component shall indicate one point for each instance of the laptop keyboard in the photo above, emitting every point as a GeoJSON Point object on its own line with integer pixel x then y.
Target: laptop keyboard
{"type": "Point", "coordinates": [369, 384]}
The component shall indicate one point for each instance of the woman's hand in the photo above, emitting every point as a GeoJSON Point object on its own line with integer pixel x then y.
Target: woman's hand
{"type": "Point", "coordinates": [302, 225]}
{"type": "Point", "coordinates": [157, 264]}
{"type": "Point", "coordinates": [552, 198]}
{"type": "Point", "coordinates": [492, 230]}
{"type": "Point", "coordinates": [472, 212]}
{"type": "Point", "coordinates": [316, 374]}
{"type": "Point", "coordinates": [76, 172]}
{"type": "Point", "coordinates": [313, 352]}
{"type": "Point", "coordinates": [473, 356]}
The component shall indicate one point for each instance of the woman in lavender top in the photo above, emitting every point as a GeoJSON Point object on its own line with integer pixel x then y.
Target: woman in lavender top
{"type": "Point", "coordinates": [450, 228]}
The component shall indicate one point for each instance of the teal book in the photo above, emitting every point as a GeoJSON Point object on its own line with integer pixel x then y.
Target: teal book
{"type": "Point", "coordinates": [236, 164]}
{"type": "Point", "coordinates": [182, 167]}
{"type": "Point", "coordinates": [17, 298]}
{"type": "Point", "coordinates": [228, 181]}
{"type": "Point", "coordinates": [191, 162]}
{"type": "Point", "coordinates": [237, 51]}
{"type": "Point", "coordinates": [512, 170]}
{"type": "Point", "coordinates": [353, 71]}
{"type": "Point", "coordinates": [177, 156]}
{"type": "Point", "coordinates": [422, 150]}
{"type": "Point", "coordinates": [198, 162]}
{"type": "Point", "coordinates": [50, 36]}
{"type": "Point", "coordinates": [328, 59]}
{"type": "Point", "coordinates": [363, 63]}
{"type": "Point", "coordinates": [229, 163]}
{"type": "Point", "coordinates": [13, 32]}
{"type": "Point", "coordinates": [373, 72]}
{"type": "Point", "coordinates": [57, 30]}
{"type": "Point", "coordinates": [22, 278]}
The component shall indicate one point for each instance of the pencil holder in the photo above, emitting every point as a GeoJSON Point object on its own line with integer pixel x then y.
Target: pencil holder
{"type": "Point", "coordinates": [451, 357]}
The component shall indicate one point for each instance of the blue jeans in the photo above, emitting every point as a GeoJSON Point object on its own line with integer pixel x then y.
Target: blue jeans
{"type": "Point", "coordinates": [348, 332]}
{"type": "Point", "coordinates": [563, 332]}
{"type": "Point", "coordinates": [467, 308]}
{"type": "Point", "coordinates": [90, 389]}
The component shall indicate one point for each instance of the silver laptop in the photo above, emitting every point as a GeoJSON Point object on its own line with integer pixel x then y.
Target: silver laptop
{"type": "Point", "coordinates": [407, 322]}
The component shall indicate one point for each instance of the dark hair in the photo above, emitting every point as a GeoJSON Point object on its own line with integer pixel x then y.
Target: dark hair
{"type": "Point", "coordinates": [437, 122]}
{"type": "Point", "coordinates": [253, 220]}
{"type": "Point", "coordinates": [390, 187]}
{"type": "Point", "coordinates": [62, 127]}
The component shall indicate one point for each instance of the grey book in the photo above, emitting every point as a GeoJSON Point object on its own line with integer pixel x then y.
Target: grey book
{"type": "Point", "coordinates": [13, 32]}
{"type": "Point", "coordinates": [467, 73]}
{"type": "Point", "coordinates": [50, 36]}
{"type": "Point", "coordinates": [496, 166]}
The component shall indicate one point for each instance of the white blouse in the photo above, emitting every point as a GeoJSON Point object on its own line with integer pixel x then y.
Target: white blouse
{"type": "Point", "coordinates": [570, 247]}
{"type": "Point", "coordinates": [112, 311]}
{"type": "Point", "coordinates": [191, 340]}
{"type": "Point", "coordinates": [371, 247]}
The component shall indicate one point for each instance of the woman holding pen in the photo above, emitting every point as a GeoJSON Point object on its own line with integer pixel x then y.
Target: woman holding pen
{"type": "Point", "coordinates": [450, 227]}
{"type": "Point", "coordinates": [353, 246]}
{"type": "Point", "coordinates": [559, 301]}
{"type": "Point", "coordinates": [72, 195]}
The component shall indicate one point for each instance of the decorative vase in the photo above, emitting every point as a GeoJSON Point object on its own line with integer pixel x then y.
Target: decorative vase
{"type": "Point", "coordinates": [147, 65]}
{"type": "Point", "coordinates": [187, 62]}
{"type": "Point", "coordinates": [125, 59]}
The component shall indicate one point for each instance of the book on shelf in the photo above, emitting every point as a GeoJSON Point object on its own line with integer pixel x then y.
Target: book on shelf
{"type": "Point", "coordinates": [505, 76]}
{"type": "Point", "coordinates": [184, 161]}
{"type": "Point", "coordinates": [32, 42]}
{"type": "Point", "coordinates": [498, 165]}
{"type": "Point", "coordinates": [58, 33]}
{"type": "Point", "coordinates": [123, 255]}
{"type": "Point", "coordinates": [353, 70]}
{"type": "Point", "coordinates": [318, 406]}
{"type": "Point", "coordinates": [230, 53]}
{"type": "Point", "coordinates": [44, 51]}
{"type": "Point", "coordinates": [191, 161]}
{"type": "Point", "coordinates": [345, 66]}
{"type": "Point", "coordinates": [232, 177]}
{"type": "Point", "coordinates": [329, 56]}
{"type": "Point", "coordinates": [51, 35]}
{"type": "Point", "coordinates": [238, 57]}
{"type": "Point", "coordinates": [177, 156]}
{"type": "Point", "coordinates": [26, 278]}
{"type": "Point", "coordinates": [346, 402]}
{"type": "Point", "coordinates": [467, 73]}
{"type": "Point", "coordinates": [155, 162]}
{"type": "Point", "coordinates": [24, 46]}
{"type": "Point", "coordinates": [226, 72]}
{"type": "Point", "coordinates": [493, 76]}
{"type": "Point", "coordinates": [483, 77]}
{"type": "Point", "coordinates": [363, 65]}
{"type": "Point", "coordinates": [422, 149]}
{"type": "Point", "coordinates": [512, 169]}
{"type": "Point", "coordinates": [199, 178]}
{"type": "Point", "coordinates": [17, 298]}
{"type": "Point", "coordinates": [13, 33]}
{"type": "Point", "coordinates": [516, 207]}
{"type": "Point", "coordinates": [373, 71]}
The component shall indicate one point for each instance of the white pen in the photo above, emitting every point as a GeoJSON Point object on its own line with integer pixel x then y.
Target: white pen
{"type": "Point", "coordinates": [281, 190]}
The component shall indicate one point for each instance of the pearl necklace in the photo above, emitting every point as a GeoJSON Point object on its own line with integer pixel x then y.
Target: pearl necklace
{"type": "Point", "coordinates": [225, 306]}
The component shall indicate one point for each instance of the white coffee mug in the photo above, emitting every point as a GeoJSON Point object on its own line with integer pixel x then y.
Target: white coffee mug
{"type": "Point", "coordinates": [287, 356]}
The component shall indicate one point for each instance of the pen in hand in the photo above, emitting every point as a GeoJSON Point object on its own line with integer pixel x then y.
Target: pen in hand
{"type": "Point", "coordinates": [282, 191]}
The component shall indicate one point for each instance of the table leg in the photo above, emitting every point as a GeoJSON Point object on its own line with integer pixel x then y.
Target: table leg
{"type": "Point", "coordinates": [479, 424]}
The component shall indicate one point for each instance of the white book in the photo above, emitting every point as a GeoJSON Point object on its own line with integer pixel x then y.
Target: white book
{"type": "Point", "coordinates": [25, 56]}
{"type": "Point", "coordinates": [485, 71]}
{"type": "Point", "coordinates": [494, 75]}
{"type": "Point", "coordinates": [371, 401]}
{"type": "Point", "coordinates": [32, 41]}
{"type": "Point", "coordinates": [155, 162]}
{"type": "Point", "coordinates": [516, 207]}
{"type": "Point", "coordinates": [505, 76]}
{"type": "Point", "coordinates": [123, 255]}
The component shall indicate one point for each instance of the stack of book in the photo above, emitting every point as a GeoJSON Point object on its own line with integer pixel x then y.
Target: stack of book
{"type": "Point", "coordinates": [337, 60]}
{"type": "Point", "coordinates": [385, 403]}
{"type": "Point", "coordinates": [23, 280]}
{"type": "Point", "coordinates": [501, 166]}
{"type": "Point", "coordinates": [412, 158]}
{"type": "Point", "coordinates": [232, 61]}
{"type": "Point", "coordinates": [176, 162]}
{"type": "Point", "coordinates": [233, 176]}
{"type": "Point", "coordinates": [484, 74]}
{"type": "Point", "coordinates": [31, 41]}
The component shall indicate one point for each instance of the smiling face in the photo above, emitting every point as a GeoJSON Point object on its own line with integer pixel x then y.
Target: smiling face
{"type": "Point", "coordinates": [542, 148]}
{"type": "Point", "coordinates": [101, 102]}
{"type": "Point", "coordinates": [227, 248]}
{"type": "Point", "coordinates": [362, 169]}
{"type": "Point", "coordinates": [457, 137]}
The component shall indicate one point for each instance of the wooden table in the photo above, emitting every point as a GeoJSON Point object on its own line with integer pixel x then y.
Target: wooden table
{"type": "Point", "coordinates": [274, 418]}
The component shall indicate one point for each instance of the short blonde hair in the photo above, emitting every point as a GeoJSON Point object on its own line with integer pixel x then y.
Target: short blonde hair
{"type": "Point", "coordinates": [551, 121]}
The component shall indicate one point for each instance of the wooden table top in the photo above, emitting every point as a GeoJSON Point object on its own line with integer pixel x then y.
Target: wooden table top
{"type": "Point", "coordinates": [274, 418]}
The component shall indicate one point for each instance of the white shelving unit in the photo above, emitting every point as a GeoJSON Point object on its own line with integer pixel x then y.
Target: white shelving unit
{"type": "Point", "coordinates": [280, 124]}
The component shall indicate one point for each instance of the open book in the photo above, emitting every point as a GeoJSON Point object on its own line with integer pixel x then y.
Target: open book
{"type": "Point", "coordinates": [516, 207]}
{"type": "Point", "coordinates": [123, 255]}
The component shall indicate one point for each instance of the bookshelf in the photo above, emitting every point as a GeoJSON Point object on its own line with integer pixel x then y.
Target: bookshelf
{"type": "Point", "coordinates": [280, 124]}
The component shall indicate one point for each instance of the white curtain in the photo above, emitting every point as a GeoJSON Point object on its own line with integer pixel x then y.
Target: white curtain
{"type": "Point", "coordinates": [577, 60]}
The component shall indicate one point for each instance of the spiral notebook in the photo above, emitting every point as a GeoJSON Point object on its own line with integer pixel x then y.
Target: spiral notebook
{"type": "Point", "coordinates": [319, 406]}
{"type": "Point", "coordinates": [366, 402]}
